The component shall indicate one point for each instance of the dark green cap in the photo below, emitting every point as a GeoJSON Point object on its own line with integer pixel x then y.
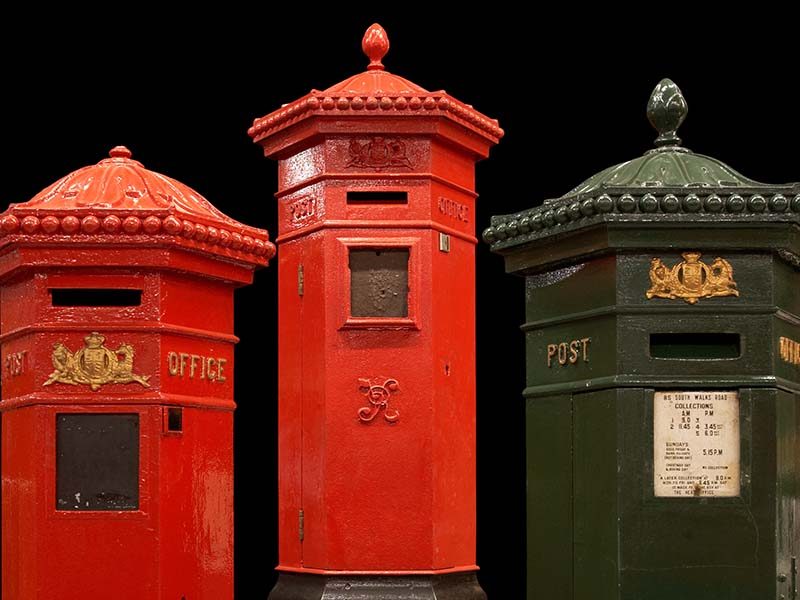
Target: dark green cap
{"type": "Point", "coordinates": [669, 183]}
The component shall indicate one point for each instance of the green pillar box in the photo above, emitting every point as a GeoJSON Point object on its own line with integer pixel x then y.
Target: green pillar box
{"type": "Point", "coordinates": [663, 351]}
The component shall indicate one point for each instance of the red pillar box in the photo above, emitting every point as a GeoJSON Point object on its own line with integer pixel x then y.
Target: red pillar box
{"type": "Point", "coordinates": [376, 337]}
{"type": "Point", "coordinates": [117, 343]}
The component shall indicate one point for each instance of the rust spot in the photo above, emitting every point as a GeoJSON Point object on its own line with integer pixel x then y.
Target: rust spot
{"type": "Point", "coordinates": [697, 489]}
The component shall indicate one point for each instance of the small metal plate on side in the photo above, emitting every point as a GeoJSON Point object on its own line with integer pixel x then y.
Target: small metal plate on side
{"type": "Point", "coordinates": [97, 462]}
{"type": "Point", "coordinates": [444, 242]}
{"type": "Point", "coordinates": [696, 444]}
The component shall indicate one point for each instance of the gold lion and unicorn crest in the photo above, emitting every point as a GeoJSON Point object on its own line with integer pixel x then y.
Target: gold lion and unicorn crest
{"type": "Point", "coordinates": [691, 279]}
{"type": "Point", "coordinates": [94, 364]}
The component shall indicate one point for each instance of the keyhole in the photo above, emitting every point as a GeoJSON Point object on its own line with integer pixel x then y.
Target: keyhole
{"type": "Point", "coordinates": [447, 369]}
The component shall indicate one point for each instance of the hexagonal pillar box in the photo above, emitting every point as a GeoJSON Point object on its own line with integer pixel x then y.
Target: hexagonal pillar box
{"type": "Point", "coordinates": [116, 328]}
{"type": "Point", "coordinates": [376, 337]}
{"type": "Point", "coordinates": [663, 398]}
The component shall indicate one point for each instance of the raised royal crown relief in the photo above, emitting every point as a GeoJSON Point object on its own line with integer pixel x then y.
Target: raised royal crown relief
{"type": "Point", "coordinates": [379, 153]}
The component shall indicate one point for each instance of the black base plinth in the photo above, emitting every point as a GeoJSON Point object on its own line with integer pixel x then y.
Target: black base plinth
{"type": "Point", "coordinates": [303, 586]}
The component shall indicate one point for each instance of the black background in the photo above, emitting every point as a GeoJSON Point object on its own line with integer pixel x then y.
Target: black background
{"type": "Point", "coordinates": [570, 90]}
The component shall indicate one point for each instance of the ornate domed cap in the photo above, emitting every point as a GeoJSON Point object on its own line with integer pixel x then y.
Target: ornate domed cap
{"type": "Point", "coordinates": [668, 164]}
{"type": "Point", "coordinates": [376, 92]}
{"type": "Point", "coordinates": [119, 197]}
{"type": "Point", "coordinates": [668, 183]}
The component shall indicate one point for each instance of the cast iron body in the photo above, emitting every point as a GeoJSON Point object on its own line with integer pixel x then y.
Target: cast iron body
{"type": "Point", "coordinates": [116, 328]}
{"type": "Point", "coordinates": [376, 337]}
{"type": "Point", "coordinates": [668, 273]}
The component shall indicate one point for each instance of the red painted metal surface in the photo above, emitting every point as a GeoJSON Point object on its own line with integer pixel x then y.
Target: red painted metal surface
{"type": "Point", "coordinates": [105, 228]}
{"type": "Point", "coordinates": [376, 412]}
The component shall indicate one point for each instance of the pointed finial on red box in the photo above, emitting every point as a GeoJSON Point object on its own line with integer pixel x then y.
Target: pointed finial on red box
{"type": "Point", "coordinates": [375, 45]}
{"type": "Point", "coordinates": [120, 152]}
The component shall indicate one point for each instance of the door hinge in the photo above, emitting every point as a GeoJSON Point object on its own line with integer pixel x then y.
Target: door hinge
{"type": "Point", "coordinates": [301, 522]}
{"type": "Point", "coordinates": [300, 280]}
{"type": "Point", "coordinates": [794, 578]}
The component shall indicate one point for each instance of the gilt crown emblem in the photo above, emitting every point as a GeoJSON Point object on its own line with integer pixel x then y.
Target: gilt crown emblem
{"type": "Point", "coordinates": [691, 279]}
{"type": "Point", "coordinates": [94, 364]}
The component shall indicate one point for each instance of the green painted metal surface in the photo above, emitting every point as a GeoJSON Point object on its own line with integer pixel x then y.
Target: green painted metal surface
{"type": "Point", "coordinates": [549, 426]}
{"type": "Point", "coordinates": [601, 344]}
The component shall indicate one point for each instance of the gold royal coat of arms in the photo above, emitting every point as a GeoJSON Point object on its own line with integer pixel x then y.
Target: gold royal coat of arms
{"type": "Point", "coordinates": [691, 279]}
{"type": "Point", "coordinates": [94, 364]}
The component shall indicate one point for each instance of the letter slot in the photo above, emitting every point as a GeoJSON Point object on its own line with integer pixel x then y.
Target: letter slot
{"type": "Point", "coordinates": [695, 346]}
{"type": "Point", "coordinates": [95, 297]}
